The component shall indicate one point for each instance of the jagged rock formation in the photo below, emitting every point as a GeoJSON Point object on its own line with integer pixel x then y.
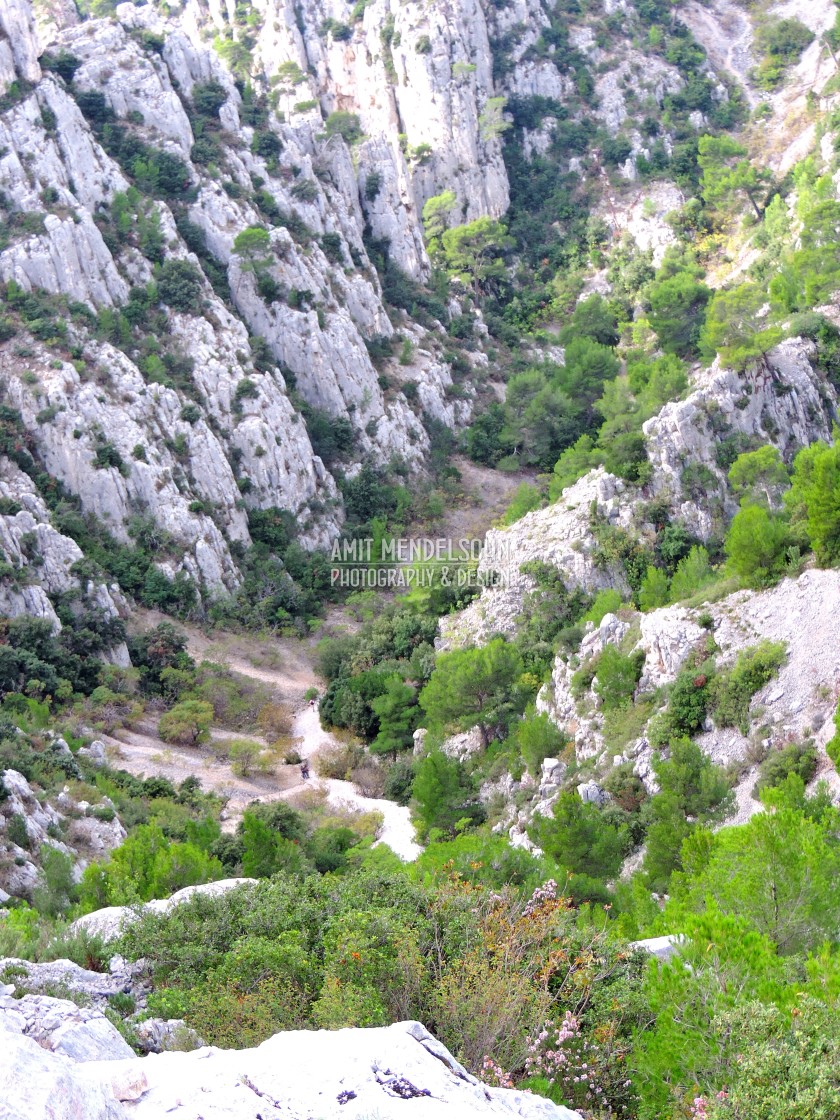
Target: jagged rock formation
{"type": "Point", "coordinates": [423, 92]}
{"type": "Point", "coordinates": [27, 825]}
{"type": "Point", "coordinates": [183, 455]}
{"type": "Point", "coordinates": [796, 705]}
{"type": "Point", "coordinates": [788, 403]}
{"type": "Point", "coordinates": [559, 535]}
{"type": "Point", "coordinates": [65, 1062]}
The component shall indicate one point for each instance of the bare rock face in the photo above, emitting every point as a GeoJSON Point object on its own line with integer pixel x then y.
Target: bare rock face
{"type": "Point", "coordinates": [19, 47]}
{"type": "Point", "coordinates": [787, 403]}
{"type": "Point", "coordinates": [31, 545]}
{"type": "Point", "coordinates": [60, 1061]}
{"type": "Point", "coordinates": [797, 704]}
{"type": "Point", "coordinates": [560, 536]}
{"type": "Point", "coordinates": [195, 476]}
{"type": "Point", "coordinates": [64, 825]}
{"type": "Point", "coordinates": [60, 1026]}
{"type": "Point", "coordinates": [580, 718]}
{"type": "Point", "coordinates": [411, 70]}
{"type": "Point", "coordinates": [46, 1084]}
{"type": "Point", "coordinates": [159, 1035]}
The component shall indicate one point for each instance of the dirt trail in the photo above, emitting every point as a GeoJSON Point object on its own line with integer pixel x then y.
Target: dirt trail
{"type": "Point", "coordinates": [143, 753]}
{"type": "Point", "coordinates": [287, 665]}
{"type": "Point", "coordinates": [397, 830]}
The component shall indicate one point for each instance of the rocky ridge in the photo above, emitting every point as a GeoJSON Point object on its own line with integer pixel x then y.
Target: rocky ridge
{"type": "Point", "coordinates": [788, 403]}
{"type": "Point", "coordinates": [429, 90]}
{"type": "Point", "coordinates": [65, 1062]}
{"type": "Point", "coordinates": [317, 341]}
{"type": "Point", "coordinates": [28, 825]}
{"type": "Point", "coordinates": [796, 705]}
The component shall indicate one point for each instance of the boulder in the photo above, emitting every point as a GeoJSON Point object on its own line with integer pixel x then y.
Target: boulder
{"type": "Point", "coordinates": [157, 1035]}
{"type": "Point", "coordinates": [59, 1025]}
{"type": "Point", "coordinates": [95, 753]}
{"type": "Point", "coordinates": [111, 921]}
{"type": "Point", "coordinates": [663, 948]}
{"type": "Point", "coordinates": [37, 1083]}
{"type": "Point", "coordinates": [551, 775]}
{"type": "Point", "coordinates": [387, 1072]}
{"type": "Point", "coordinates": [62, 974]}
{"type": "Point", "coordinates": [592, 793]}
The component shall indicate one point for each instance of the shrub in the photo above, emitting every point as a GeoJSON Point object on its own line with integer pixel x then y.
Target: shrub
{"type": "Point", "coordinates": [145, 866]}
{"type": "Point", "coordinates": [606, 602]}
{"type": "Point", "coordinates": [373, 185]}
{"type": "Point", "coordinates": [693, 791]}
{"type": "Point", "coordinates": [756, 545]}
{"type": "Point", "coordinates": [208, 98]}
{"type": "Point", "coordinates": [783, 41]}
{"type": "Point", "coordinates": [732, 692]}
{"type": "Point", "coordinates": [399, 780]}
{"type": "Point", "coordinates": [538, 738]}
{"type": "Point", "coordinates": [525, 499]}
{"type": "Point", "coordinates": [266, 144]}
{"type": "Point", "coordinates": [783, 1059]}
{"type": "Point", "coordinates": [442, 792]}
{"type": "Point", "coordinates": [686, 709]}
{"type": "Point", "coordinates": [795, 758]}
{"type": "Point", "coordinates": [245, 757]}
{"type": "Point", "coordinates": [55, 889]}
{"type": "Point", "coordinates": [187, 723]}
{"type": "Point", "coordinates": [617, 676]}
{"type": "Point", "coordinates": [832, 747]}
{"type": "Point", "coordinates": [812, 499]}
{"type": "Point", "coordinates": [246, 389]}
{"type": "Point", "coordinates": [106, 455]}
{"type": "Point", "coordinates": [580, 838]}
{"type": "Point", "coordinates": [64, 64]}
{"type": "Point", "coordinates": [16, 831]}
{"type": "Point", "coordinates": [693, 573]}
{"type": "Point", "coordinates": [655, 589]}
{"type": "Point", "coordinates": [180, 287]}
{"type": "Point", "coordinates": [344, 124]}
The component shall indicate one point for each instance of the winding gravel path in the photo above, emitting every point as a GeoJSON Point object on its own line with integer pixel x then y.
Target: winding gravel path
{"type": "Point", "coordinates": [142, 752]}
{"type": "Point", "coordinates": [397, 830]}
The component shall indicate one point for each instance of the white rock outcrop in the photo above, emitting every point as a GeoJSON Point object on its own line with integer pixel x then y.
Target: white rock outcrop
{"type": "Point", "coordinates": [796, 705]}
{"type": "Point", "coordinates": [388, 1072]}
{"type": "Point", "coordinates": [111, 921]}
{"type": "Point", "coordinates": [787, 402]}
{"type": "Point", "coordinates": [82, 837]}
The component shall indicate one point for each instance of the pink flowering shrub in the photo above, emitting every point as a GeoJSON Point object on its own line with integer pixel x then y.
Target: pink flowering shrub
{"type": "Point", "coordinates": [587, 1073]}
{"type": "Point", "coordinates": [493, 1074]}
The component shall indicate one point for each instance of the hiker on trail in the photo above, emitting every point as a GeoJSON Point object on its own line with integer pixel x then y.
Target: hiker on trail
{"type": "Point", "coordinates": [312, 703]}
{"type": "Point", "coordinates": [304, 769]}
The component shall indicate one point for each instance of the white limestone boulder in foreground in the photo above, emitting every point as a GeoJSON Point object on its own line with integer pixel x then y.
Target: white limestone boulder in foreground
{"type": "Point", "coordinates": [386, 1072]}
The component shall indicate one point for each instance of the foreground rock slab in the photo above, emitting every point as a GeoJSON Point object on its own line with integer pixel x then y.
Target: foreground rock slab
{"type": "Point", "coordinates": [387, 1072]}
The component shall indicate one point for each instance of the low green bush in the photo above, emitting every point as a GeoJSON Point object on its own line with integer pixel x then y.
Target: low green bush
{"type": "Point", "coordinates": [732, 691]}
